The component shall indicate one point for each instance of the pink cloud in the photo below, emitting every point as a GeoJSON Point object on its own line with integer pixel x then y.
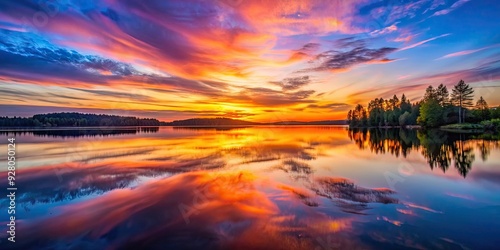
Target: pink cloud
{"type": "Point", "coordinates": [386, 30]}
{"type": "Point", "coordinates": [466, 52]}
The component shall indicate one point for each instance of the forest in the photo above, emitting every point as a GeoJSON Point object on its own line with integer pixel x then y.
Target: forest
{"type": "Point", "coordinates": [438, 107]}
{"type": "Point", "coordinates": [73, 119]}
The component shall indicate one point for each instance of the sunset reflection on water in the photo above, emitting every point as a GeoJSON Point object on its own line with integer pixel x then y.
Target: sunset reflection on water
{"type": "Point", "coordinates": [257, 187]}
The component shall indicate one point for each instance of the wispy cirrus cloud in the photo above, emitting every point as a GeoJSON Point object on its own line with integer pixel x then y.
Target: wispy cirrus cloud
{"type": "Point", "coordinates": [335, 106]}
{"type": "Point", "coordinates": [454, 6]}
{"type": "Point", "coordinates": [467, 52]}
{"type": "Point", "coordinates": [414, 45]}
{"type": "Point", "coordinates": [487, 71]}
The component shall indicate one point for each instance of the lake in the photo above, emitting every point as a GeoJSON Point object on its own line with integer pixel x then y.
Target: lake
{"type": "Point", "coordinates": [309, 187]}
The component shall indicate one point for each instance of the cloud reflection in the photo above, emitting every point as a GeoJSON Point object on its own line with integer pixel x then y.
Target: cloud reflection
{"type": "Point", "coordinates": [149, 216]}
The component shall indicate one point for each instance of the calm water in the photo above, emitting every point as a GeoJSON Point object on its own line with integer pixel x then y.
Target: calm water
{"type": "Point", "coordinates": [253, 188]}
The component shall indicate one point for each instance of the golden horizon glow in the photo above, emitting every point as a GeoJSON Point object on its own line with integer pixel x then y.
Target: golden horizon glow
{"type": "Point", "coordinates": [255, 60]}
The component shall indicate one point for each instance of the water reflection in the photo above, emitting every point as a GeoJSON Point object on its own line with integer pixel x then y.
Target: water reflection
{"type": "Point", "coordinates": [255, 188]}
{"type": "Point", "coordinates": [96, 167]}
{"type": "Point", "coordinates": [441, 149]}
{"type": "Point", "coordinates": [82, 132]}
{"type": "Point", "coordinates": [219, 128]}
{"type": "Point", "coordinates": [150, 215]}
{"type": "Point", "coordinates": [68, 181]}
{"type": "Point", "coordinates": [350, 197]}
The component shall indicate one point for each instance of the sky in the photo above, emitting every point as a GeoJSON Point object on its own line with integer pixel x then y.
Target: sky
{"type": "Point", "coordinates": [255, 60]}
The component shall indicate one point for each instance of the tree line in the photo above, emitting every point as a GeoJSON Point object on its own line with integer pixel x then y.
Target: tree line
{"type": "Point", "coordinates": [74, 119]}
{"type": "Point", "coordinates": [438, 107]}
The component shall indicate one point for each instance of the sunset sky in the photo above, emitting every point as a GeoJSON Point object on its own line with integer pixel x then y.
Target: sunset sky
{"type": "Point", "coordinates": [256, 60]}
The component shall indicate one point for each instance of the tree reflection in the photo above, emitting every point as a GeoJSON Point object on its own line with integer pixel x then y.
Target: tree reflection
{"type": "Point", "coordinates": [435, 149]}
{"type": "Point", "coordinates": [396, 142]}
{"type": "Point", "coordinates": [463, 156]}
{"type": "Point", "coordinates": [484, 149]}
{"type": "Point", "coordinates": [441, 149]}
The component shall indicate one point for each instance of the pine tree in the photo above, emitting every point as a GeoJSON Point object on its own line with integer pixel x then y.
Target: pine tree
{"type": "Point", "coordinates": [405, 104]}
{"type": "Point", "coordinates": [482, 109]}
{"type": "Point", "coordinates": [357, 117]}
{"type": "Point", "coordinates": [442, 95]}
{"type": "Point", "coordinates": [430, 93]}
{"type": "Point", "coordinates": [462, 96]}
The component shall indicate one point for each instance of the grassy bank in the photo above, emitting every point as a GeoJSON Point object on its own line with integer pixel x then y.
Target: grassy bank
{"type": "Point", "coordinates": [463, 127]}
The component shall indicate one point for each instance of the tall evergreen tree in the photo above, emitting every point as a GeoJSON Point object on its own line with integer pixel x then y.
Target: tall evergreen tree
{"type": "Point", "coordinates": [482, 109]}
{"type": "Point", "coordinates": [405, 105]}
{"type": "Point", "coordinates": [357, 117]}
{"type": "Point", "coordinates": [442, 95]}
{"type": "Point", "coordinates": [360, 113]}
{"type": "Point", "coordinates": [430, 93]}
{"type": "Point", "coordinates": [462, 96]}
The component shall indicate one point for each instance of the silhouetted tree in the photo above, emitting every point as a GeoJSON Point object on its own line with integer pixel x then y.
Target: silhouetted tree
{"type": "Point", "coordinates": [430, 93]}
{"type": "Point", "coordinates": [376, 112]}
{"type": "Point", "coordinates": [405, 105]}
{"type": "Point", "coordinates": [482, 112]}
{"type": "Point", "coordinates": [442, 95]}
{"type": "Point", "coordinates": [357, 117]}
{"type": "Point", "coordinates": [462, 96]}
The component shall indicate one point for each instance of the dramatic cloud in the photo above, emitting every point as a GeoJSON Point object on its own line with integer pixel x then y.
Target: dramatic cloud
{"type": "Point", "coordinates": [352, 52]}
{"type": "Point", "coordinates": [293, 83]}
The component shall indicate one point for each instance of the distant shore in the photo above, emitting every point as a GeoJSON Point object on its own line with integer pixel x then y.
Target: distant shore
{"type": "Point", "coordinates": [73, 119]}
{"type": "Point", "coordinates": [174, 126]}
{"type": "Point", "coordinates": [389, 127]}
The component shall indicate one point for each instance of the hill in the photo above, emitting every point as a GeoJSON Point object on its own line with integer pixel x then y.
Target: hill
{"type": "Point", "coordinates": [236, 122]}
{"type": "Point", "coordinates": [211, 122]}
{"type": "Point", "coordinates": [326, 122]}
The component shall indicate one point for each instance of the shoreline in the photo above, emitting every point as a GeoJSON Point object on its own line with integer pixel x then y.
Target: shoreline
{"type": "Point", "coordinates": [388, 127]}
{"type": "Point", "coordinates": [173, 126]}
